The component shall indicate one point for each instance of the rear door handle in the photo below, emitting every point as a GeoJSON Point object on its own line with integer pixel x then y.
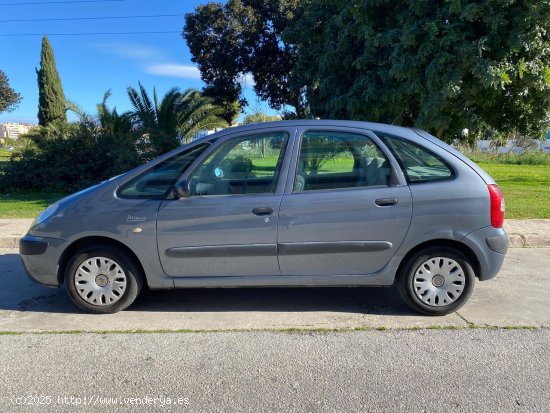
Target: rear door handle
{"type": "Point", "coordinates": [262, 211]}
{"type": "Point", "coordinates": [386, 201]}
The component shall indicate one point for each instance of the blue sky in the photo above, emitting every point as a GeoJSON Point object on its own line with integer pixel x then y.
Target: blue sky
{"type": "Point", "coordinates": [89, 65]}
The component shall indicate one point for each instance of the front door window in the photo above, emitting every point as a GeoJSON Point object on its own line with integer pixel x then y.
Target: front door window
{"type": "Point", "coordinates": [248, 165]}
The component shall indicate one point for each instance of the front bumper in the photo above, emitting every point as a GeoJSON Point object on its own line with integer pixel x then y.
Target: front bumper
{"type": "Point", "coordinates": [490, 246]}
{"type": "Point", "coordinates": [40, 257]}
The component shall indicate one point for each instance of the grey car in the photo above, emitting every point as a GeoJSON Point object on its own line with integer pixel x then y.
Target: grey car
{"type": "Point", "coordinates": [292, 203]}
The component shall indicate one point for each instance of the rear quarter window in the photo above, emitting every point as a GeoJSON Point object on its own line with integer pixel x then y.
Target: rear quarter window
{"type": "Point", "coordinates": [418, 163]}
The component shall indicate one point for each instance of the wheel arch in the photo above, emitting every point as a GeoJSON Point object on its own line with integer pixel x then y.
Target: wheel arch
{"type": "Point", "coordinates": [94, 240]}
{"type": "Point", "coordinates": [459, 246]}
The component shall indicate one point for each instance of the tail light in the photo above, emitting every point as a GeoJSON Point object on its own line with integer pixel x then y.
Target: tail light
{"type": "Point", "coordinates": [497, 205]}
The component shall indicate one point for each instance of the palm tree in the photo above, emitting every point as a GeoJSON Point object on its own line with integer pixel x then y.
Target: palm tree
{"type": "Point", "coordinates": [121, 144]}
{"type": "Point", "coordinates": [198, 112]}
{"type": "Point", "coordinates": [110, 120]}
{"type": "Point", "coordinates": [178, 116]}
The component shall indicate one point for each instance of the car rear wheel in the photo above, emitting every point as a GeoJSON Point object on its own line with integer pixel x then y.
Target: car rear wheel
{"type": "Point", "coordinates": [436, 281]}
{"type": "Point", "coordinates": [103, 280]}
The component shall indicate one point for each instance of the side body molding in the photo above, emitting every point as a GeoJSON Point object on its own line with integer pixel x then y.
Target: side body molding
{"type": "Point", "coordinates": [247, 250]}
{"type": "Point", "coordinates": [300, 248]}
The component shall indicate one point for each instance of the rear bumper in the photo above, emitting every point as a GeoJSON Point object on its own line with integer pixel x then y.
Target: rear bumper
{"type": "Point", "coordinates": [41, 258]}
{"type": "Point", "coordinates": [490, 246]}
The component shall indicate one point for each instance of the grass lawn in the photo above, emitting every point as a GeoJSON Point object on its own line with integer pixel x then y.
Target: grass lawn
{"type": "Point", "coordinates": [26, 205]}
{"type": "Point", "coordinates": [526, 188]}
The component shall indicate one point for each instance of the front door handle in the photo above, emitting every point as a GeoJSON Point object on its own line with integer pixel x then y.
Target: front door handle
{"type": "Point", "coordinates": [386, 201]}
{"type": "Point", "coordinates": [262, 211]}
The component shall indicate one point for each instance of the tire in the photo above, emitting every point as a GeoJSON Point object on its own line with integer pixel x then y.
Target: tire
{"type": "Point", "coordinates": [103, 279]}
{"type": "Point", "coordinates": [436, 281]}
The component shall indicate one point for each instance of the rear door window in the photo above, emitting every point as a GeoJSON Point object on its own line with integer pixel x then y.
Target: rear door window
{"type": "Point", "coordinates": [334, 160]}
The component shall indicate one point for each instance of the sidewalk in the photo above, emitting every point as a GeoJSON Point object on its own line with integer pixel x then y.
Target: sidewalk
{"type": "Point", "coordinates": [11, 230]}
{"type": "Point", "coordinates": [522, 233]}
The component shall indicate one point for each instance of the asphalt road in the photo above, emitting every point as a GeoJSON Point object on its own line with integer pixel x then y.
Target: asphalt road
{"type": "Point", "coordinates": [418, 371]}
{"type": "Point", "coordinates": [518, 296]}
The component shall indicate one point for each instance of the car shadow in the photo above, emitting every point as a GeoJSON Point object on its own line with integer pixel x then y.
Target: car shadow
{"type": "Point", "coordinates": [361, 300]}
{"type": "Point", "coordinates": [19, 293]}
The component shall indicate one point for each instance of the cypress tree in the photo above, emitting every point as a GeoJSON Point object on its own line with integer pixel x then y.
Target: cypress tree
{"type": "Point", "coordinates": [51, 101]}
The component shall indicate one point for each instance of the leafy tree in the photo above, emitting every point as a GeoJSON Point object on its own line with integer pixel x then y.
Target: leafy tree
{"type": "Point", "coordinates": [243, 37]}
{"type": "Point", "coordinates": [9, 98]}
{"type": "Point", "coordinates": [67, 157]}
{"type": "Point", "coordinates": [177, 115]}
{"type": "Point", "coordinates": [439, 65]}
{"type": "Point", "coordinates": [259, 117]}
{"type": "Point", "coordinates": [52, 102]}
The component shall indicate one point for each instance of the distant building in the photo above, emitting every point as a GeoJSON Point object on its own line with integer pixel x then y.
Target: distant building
{"type": "Point", "coordinates": [14, 130]}
{"type": "Point", "coordinates": [203, 133]}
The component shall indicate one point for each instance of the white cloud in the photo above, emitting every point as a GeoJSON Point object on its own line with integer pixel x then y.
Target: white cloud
{"type": "Point", "coordinates": [151, 60]}
{"type": "Point", "coordinates": [131, 51]}
{"type": "Point", "coordinates": [174, 70]}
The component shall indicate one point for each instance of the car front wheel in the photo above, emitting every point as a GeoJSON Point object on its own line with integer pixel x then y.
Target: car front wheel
{"type": "Point", "coordinates": [436, 281]}
{"type": "Point", "coordinates": [103, 280]}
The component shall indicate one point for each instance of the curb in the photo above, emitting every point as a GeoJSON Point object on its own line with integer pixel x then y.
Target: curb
{"type": "Point", "coordinates": [516, 241]}
{"type": "Point", "coordinates": [528, 241]}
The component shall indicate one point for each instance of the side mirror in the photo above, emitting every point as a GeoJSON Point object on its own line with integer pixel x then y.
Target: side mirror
{"type": "Point", "coordinates": [182, 189]}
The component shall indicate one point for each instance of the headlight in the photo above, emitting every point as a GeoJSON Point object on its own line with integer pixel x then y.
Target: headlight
{"type": "Point", "coordinates": [44, 215]}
